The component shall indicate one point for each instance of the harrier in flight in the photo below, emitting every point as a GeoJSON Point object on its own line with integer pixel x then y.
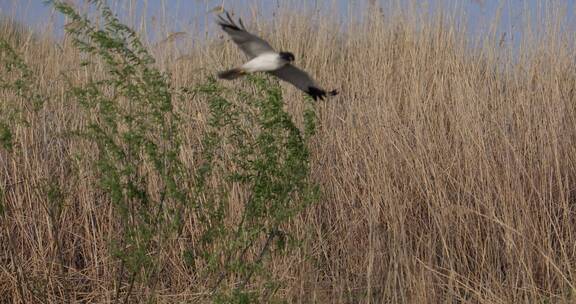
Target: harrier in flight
{"type": "Point", "coordinates": [263, 58]}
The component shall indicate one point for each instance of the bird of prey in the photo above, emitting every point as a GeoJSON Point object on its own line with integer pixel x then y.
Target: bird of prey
{"type": "Point", "coordinates": [263, 58]}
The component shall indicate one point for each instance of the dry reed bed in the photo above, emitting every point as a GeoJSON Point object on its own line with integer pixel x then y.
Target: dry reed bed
{"type": "Point", "coordinates": [447, 172]}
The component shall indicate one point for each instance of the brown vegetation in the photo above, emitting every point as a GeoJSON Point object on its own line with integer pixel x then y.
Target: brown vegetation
{"type": "Point", "coordinates": [447, 168]}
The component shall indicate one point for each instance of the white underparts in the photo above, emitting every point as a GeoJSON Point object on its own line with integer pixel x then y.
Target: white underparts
{"type": "Point", "coordinates": [264, 63]}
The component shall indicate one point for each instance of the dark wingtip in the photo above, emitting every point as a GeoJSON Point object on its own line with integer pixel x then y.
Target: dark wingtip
{"type": "Point", "coordinates": [241, 24]}
{"type": "Point", "coordinates": [230, 26]}
{"type": "Point", "coordinates": [317, 93]}
{"type": "Point", "coordinates": [227, 23]}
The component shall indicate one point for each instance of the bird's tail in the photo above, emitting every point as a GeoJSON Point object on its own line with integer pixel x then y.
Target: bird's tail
{"type": "Point", "coordinates": [231, 74]}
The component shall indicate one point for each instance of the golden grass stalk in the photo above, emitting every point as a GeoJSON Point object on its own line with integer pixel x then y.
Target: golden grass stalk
{"type": "Point", "coordinates": [447, 166]}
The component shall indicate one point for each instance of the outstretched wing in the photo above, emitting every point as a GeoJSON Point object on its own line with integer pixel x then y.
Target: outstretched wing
{"type": "Point", "coordinates": [250, 44]}
{"type": "Point", "coordinates": [302, 81]}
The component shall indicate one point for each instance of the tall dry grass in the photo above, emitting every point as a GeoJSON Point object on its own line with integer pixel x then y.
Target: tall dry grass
{"type": "Point", "coordinates": [447, 167]}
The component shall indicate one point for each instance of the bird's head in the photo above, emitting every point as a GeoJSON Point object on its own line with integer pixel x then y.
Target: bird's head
{"type": "Point", "coordinates": [287, 56]}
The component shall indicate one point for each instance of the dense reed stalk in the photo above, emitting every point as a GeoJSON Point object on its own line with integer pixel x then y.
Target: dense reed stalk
{"type": "Point", "coordinates": [446, 167]}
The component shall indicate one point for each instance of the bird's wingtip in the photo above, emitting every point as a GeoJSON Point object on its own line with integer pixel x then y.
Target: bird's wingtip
{"type": "Point", "coordinates": [317, 93]}
{"type": "Point", "coordinates": [226, 21]}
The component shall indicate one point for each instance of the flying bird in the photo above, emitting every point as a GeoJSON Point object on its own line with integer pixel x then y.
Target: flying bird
{"type": "Point", "coordinates": [263, 58]}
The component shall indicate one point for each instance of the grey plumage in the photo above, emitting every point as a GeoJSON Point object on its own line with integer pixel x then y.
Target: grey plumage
{"type": "Point", "coordinates": [302, 81]}
{"type": "Point", "coordinates": [253, 46]}
{"type": "Point", "coordinates": [250, 44]}
{"type": "Point", "coordinates": [231, 74]}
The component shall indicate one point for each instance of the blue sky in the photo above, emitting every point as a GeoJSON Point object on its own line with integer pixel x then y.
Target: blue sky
{"type": "Point", "coordinates": [186, 15]}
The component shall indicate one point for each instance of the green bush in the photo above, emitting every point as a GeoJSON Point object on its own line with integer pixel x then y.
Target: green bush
{"type": "Point", "coordinates": [251, 146]}
{"type": "Point", "coordinates": [18, 80]}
